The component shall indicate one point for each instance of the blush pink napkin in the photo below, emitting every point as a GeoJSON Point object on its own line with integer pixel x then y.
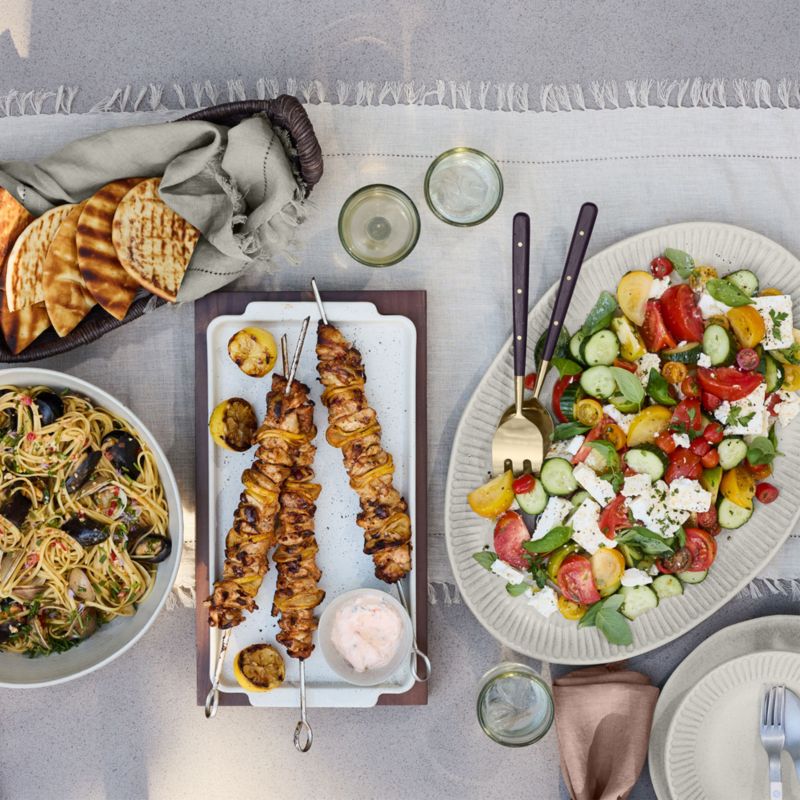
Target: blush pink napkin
{"type": "Point", "coordinates": [603, 719]}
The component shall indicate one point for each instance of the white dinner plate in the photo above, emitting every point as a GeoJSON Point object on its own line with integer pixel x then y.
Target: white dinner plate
{"type": "Point", "coordinates": [742, 553]}
{"type": "Point", "coordinates": [713, 748]}
{"type": "Point", "coordinates": [778, 632]}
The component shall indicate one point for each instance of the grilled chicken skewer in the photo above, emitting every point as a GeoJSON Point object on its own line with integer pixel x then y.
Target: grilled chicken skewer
{"type": "Point", "coordinates": [354, 428]}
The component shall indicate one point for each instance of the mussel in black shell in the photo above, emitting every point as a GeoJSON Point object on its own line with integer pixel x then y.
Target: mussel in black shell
{"type": "Point", "coordinates": [50, 407]}
{"type": "Point", "coordinates": [122, 450]}
{"type": "Point", "coordinates": [83, 469]}
{"type": "Point", "coordinates": [150, 548]}
{"type": "Point", "coordinates": [15, 508]}
{"type": "Point", "coordinates": [9, 421]}
{"type": "Point", "coordinates": [8, 629]}
{"type": "Point", "coordinates": [84, 532]}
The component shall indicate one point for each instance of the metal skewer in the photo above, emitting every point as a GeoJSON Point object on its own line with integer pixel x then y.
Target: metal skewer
{"type": "Point", "coordinates": [416, 653]}
{"type": "Point", "coordinates": [212, 698]}
{"type": "Point", "coordinates": [303, 734]}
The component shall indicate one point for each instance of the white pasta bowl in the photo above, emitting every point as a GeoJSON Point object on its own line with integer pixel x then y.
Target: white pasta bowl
{"type": "Point", "coordinates": [112, 640]}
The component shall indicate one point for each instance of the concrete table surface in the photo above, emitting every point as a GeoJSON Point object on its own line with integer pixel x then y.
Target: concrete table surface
{"type": "Point", "coordinates": [132, 730]}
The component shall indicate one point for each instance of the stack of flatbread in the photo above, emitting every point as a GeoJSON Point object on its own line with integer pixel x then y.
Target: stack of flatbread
{"type": "Point", "coordinates": [102, 251]}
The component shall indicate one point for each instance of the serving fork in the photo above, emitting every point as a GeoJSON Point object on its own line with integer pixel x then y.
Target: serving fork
{"type": "Point", "coordinates": [773, 736]}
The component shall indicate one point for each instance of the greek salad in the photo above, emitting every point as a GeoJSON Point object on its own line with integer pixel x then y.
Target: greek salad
{"type": "Point", "coordinates": [668, 404]}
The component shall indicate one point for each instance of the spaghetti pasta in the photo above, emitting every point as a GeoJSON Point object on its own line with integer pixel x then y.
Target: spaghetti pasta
{"type": "Point", "coordinates": [83, 519]}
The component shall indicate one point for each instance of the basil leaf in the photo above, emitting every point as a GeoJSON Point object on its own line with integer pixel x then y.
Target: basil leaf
{"type": "Point", "coordinates": [629, 385]}
{"type": "Point", "coordinates": [791, 354]}
{"type": "Point", "coordinates": [613, 602]}
{"type": "Point", "coordinates": [658, 388]}
{"type": "Point", "coordinates": [680, 536]}
{"type": "Point", "coordinates": [485, 558]}
{"type": "Point", "coordinates": [761, 451]}
{"type": "Point", "coordinates": [773, 436]}
{"type": "Point", "coordinates": [683, 262]}
{"type": "Point", "coordinates": [566, 430]}
{"type": "Point", "coordinates": [608, 451]}
{"type": "Point", "coordinates": [614, 627]}
{"type": "Point", "coordinates": [649, 542]}
{"type": "Point", "coordinates": [552, 540]}
{"type": "Point", "coordinates": [726, 292]}
{"type": "Point", "coordinates": [566, 366]}
{"type": "Point", "coordinates": [588, 619]}
{"type": "Point", "coordinates": [562, 347]}
{"type": "Point", "coordinates": [601, 314]}
{"type": "Point", "coordinates": [516, 589]}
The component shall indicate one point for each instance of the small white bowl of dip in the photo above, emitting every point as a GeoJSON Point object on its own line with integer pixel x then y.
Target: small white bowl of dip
{"type": "Point", "coordinates": [365, 636]}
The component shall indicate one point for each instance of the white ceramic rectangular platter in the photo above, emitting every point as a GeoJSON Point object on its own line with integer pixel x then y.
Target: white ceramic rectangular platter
{"type": "Point", "coordinates": [388, 347]}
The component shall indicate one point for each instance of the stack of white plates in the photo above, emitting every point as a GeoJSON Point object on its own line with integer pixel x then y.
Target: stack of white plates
{"type": "Point", "coordinates": [704, 744]}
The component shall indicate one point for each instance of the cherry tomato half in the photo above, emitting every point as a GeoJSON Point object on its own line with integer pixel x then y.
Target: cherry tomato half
{"type": "Point", "coordinates": [710, 459]}
{"type": "Point", "coordinates": [683, 463]}
{"type": "Point", "coordinates": [661, 267]}
{"type": "Point", "coordinates": [728, 383]}
{"type": "Point", "coordinates": [687, 416]}
{"type": "Point", "coordinates": [614, 517]}
{"type": "Point", "coordinates": [700, 447]}
{"type": "Point", "coordinates": [703, 548]}
{"type": "Point", "coordinates": [758, 471]}
{"type": "Point", "coordinates": [707, 520]}
{"type": "Point", "coordinates": [524, 484]}
{"type": "Point", "coordinates": [530, 381]}
{"type": "Point", "coordinates": [654, 330]}
{"type": "Point", "coordinates": [747, 359]}
{"type": "Point", "coordinates": [665, 441]}
{"type": "Point", "coordinates": [510, 534]}
{"type": "Point", "coordinates": [713, 433]}
{"type": "Point", "coordinates": [681, 314]}
{"type": "Point", "coordinates": [623, 364]}
{"type": "Point", "coordinates": [766, 493]}
{"type": "Point", "coordinates": [710, 401]}
{"type": "Point", "coordinates": [690, 387]}
{"type": "Point", "coordinates": [576, 581]}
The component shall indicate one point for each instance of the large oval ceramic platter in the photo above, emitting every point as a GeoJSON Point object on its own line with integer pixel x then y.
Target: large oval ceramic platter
{"type": "Point", "coordinates": [742, 553]}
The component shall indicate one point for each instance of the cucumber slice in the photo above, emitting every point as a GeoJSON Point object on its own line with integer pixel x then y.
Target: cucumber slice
{"type": "Point", "coordinates": [697, 576]}
{"type": "Point", "coordinates": [731, 452]}
{"type": "Point", "coordinates": [575, 346]}
{"type": "Point", "coordinates": [667, 586]}
{"type": "Point", "coordinates": [647, 459]}
{"type": "Point", "coordinates": [684, 353]}
{"type": "Point", "coordinates": [579, 497]}
{"type": "Point", "coordinates": [731, 516]}
{"type": "Point", "coordinates": [773, 373]}
{"type": "Point", "coordinates": [598, 381]}
{"type": "Point", "coordinates": [534, 501]}
{"type": "Point", "coordinates": [718, 345]}
{"type": "Point", "coordinates": [638, 599]}
{"type": "Point", "coordinates": [557, 477]}
{"type": "Point", "coordinates": [744, 280]}
{"type": "Point", "coordinates": [600, 349]}
{"type": "Point", "coordinates": [570, 396]}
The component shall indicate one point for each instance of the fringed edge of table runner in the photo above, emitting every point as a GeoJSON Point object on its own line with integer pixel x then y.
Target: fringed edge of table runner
{"type": "Point", "coordinates": [483, 95]}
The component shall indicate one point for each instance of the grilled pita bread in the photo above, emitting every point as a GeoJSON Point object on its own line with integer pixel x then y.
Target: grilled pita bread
{"type": "Point", "coordinates": [106, 280]}
{"type": "Point", "coordinates": [14, 218]}
{"type": "Point", "coordinates": [24, 285]}
{"type": "Point", "coordinates": [20, 328]}
{"type": "Point", "coordinates": [66, 297]}
{"type": "Point", "coordinates": [153, 243]}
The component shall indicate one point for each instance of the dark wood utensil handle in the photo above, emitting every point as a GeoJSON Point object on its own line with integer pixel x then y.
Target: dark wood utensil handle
{"type": "Point", "coordinates": [569, 277]}
{"type": "Point", "coordinates": [520, 260]}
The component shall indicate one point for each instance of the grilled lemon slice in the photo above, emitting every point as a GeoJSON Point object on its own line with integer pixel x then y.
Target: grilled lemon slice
{"type": "Point", "coordinates": [253, 350]}
{"type": "Point", "coordinates": [233, 424]}
{"type": "Point", "coordinates": [259, 668]}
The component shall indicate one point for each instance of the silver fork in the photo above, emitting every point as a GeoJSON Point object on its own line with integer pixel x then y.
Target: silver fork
{"type": "Point", "coordinates": [773, 736]}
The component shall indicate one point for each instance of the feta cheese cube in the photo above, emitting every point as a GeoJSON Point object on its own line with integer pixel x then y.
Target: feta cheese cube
{"type": "Point", "coordinates": [688, 495]}
{"type": "Point", "coordinates": [636, 484]}
{"type": "Point", "coordinates": [681, 439]}
{"type": "Point", "coordinates": [566, 449]}
{"type": "Point", "coordinates": [553, 515]}
{"type": "Point", "coordinates": [747, 416]}
{"type": "Point", "coordinates": [635, 577]}
{"type": "Point", "coordinates": [651, 510]}
{"type": "Point", "coordinates": [704, 360]}
{"type": "Point", "coordinates": [599, 488]}
{"type": "Point", "coordinates": [643, 366]}
{"type": "Point", "coordinates": [776, 311]}
{"type": "Point", "coordinates": [586, 529]}
{"type": "Point", "coordinates": [788, 407]}
{"type": "Point", "coordinates": [709, 307]}
{"type": "Point", "coordinates": [508, 573]}
{"type": "Point", "coordinates": [623, 420]}
{"type": "Point", "coordinates": [545, 601]}
{"type": "Point", "coordinates": [657, 288]}
{"type": "Point", "coordinates": [595, 460]}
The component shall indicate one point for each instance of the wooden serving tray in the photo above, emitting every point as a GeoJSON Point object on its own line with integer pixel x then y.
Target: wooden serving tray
{"type": "Point", "coordinates": [411, 304]}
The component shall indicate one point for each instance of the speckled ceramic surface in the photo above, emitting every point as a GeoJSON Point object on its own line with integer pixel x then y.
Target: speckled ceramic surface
{"type": "Point", "coordinates": [388, 346]}
{"type": "Point", "coordinates": [742, 553]}
{"type": "Point", "coordinates": [713, 749]}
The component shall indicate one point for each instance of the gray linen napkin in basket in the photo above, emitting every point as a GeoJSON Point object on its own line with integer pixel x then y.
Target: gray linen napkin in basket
{"type": "Point", "coordinates": [235, 185]}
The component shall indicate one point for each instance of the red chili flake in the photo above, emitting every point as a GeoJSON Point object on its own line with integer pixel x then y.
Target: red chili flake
{"type": "Point", "coordinates": [32, 560]}
{"type": "Point", "coordinates": [112, 508]}
{"type": "Point", "coordinates": [25, 400]}
{"type": "Point", "coordinates": [31, 437]}
{"type": "Point", "coordinates": [116, 491]}
{"type": "Point", "coordinates": [113, 556]}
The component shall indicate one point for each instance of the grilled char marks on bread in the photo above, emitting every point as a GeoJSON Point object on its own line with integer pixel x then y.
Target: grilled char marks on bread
{"type": "Point", "coordinates": [353, 426]}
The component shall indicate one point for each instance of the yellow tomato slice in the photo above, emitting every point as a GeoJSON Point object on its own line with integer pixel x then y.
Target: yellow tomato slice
{"type": "Point", "coordinates": [614, 434]}
{"type": "Point", "coordinates": [771, 291]}
{"type": "Point", "coordinates": [747, 324]}
{"type": "Point", "coordinates": [494, 497]}
{"type": "Point", "coordinates": [738, 486]}
{"type": "Point", "coordinates": [647, 424]}
{"type": "Point", "coordinates": [607, 568]}
{"type": "Point", "coordinates": [791, 378]}
{"type": "Point", "coordinates": [674, 372]}
{"type": "Point", "coordinates": [570, 610]}
{"type": "Point", "coordinates": [588, 412]}
{"type": "Point", "coordinates": [632, 294]}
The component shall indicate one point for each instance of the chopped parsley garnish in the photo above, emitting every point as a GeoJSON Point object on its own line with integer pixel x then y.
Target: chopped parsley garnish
{"type": "Point", "coordinates": [735, 417]}
{"type": "Point", "coordinates": [777, 317]}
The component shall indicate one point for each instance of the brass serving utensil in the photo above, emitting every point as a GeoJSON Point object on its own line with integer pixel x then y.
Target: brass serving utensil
{"type": "Point", "coordinates": [532, 407]}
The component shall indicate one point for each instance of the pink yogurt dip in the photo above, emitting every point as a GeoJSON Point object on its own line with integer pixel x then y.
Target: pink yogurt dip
{"type": "Point", "coordinates": [366, 632]}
